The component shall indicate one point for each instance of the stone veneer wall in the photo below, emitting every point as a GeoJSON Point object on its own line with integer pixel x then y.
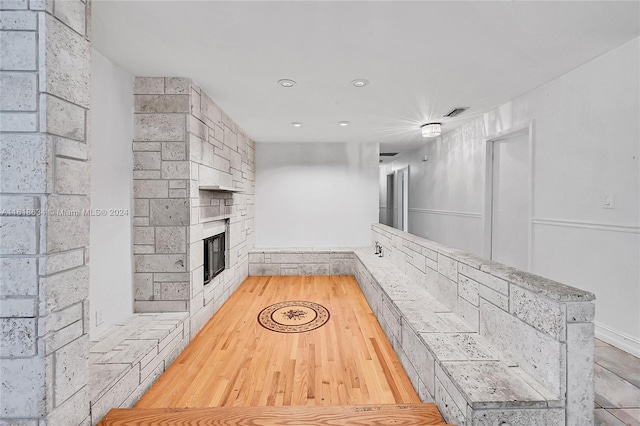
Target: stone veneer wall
{"type": "Point", "coordinates": [301, 261]}
{"type": "Point", "coordinates": [183, 140]}
{"type": "Point", "coordinates": [45, 59]}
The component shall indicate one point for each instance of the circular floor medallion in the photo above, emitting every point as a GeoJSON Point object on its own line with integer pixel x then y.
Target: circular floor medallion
{"type": "Point", "coordinates": [294, 316]}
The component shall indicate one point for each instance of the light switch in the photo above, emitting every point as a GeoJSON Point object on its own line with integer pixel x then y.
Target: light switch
{"type": "Point", "coordinates": [608, 202]}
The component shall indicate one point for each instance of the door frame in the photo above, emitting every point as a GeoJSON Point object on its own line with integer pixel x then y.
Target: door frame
{"type": "Point", "coordinates": [523, 129]}
{"type": "Point", "coordinates": [405, 197]}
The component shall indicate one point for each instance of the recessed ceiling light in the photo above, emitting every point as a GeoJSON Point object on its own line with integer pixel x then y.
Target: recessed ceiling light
{"type": "Point", "coordinates": [360, 82]}
{"type": "Point", "coordinates": [285, 82]}
{"type": "Point", "coordinates": [296, 124]}
{"type": "Point", "coordinates": [431, 130]}
{"type": "Point", "coordinates": [344, 123]}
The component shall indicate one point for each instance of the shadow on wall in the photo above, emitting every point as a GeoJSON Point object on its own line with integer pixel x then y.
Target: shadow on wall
{"type": "Point", "coordinates": [353, 156]}
{"type": "Point", "coordinates": [316, 194]}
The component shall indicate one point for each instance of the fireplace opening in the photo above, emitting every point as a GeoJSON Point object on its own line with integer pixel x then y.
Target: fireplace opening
{"type": "Point", "coordinates": [213, 256]}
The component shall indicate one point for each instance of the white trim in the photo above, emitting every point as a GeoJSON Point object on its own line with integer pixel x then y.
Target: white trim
{"type": "Point", "coordinates": [446, 212]}
{"type": "Point", "coordinates": [488, 199]}
{"type": "Point", "coordinates": [522, 129]}
{"type": "Point", "coordinates": [532, 198]}
{"type": "Point", "coordinates": [618, 339]}
{"type": "Point", "coordinates": [510, 132]}
{"type": "Point", "coordinates": [405, 198]}
{"type": "Point", "coordinates": [630, 229]}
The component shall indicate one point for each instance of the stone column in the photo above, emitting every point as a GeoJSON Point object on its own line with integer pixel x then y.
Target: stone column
{"type": "Point", "coordinates": [44, 211]}
{"type": "Point", "coordinates": [161, 201]}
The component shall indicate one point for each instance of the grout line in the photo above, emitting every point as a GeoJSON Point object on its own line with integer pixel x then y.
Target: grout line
{"type": "Point", "coordinates": [620, 377]}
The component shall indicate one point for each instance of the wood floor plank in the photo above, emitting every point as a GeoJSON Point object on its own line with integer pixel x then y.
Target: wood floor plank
{"type": "Point", "coordinates": [370, 415]}
{"type": "Point", "coordinates": [234, 361]}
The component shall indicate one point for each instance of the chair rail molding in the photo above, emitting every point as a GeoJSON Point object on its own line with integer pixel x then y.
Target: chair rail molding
{"type": "Point", "coordinates": [446, 212]}
{"type": "Point", "coordinates": [600, 226]}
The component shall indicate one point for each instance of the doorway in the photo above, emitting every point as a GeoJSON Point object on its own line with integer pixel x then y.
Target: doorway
{"type": "Point", "coordinates": [389, 214]}
{"type": "Point", "coordinates": [508, 206]}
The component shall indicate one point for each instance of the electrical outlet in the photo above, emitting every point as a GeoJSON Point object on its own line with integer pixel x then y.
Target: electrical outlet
{"type": "Point", "coordinates": [99, 318]}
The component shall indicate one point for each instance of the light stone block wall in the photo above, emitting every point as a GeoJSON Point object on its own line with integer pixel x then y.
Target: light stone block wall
{"type": "Point", "coordinates": [544, 327]}
{"type": "Point", "coordinates": [44, 228]}
{"type": "Point", "coordinates": [301, 261]}
{"type": "Point", "coordinates": [161, 203]}
{"type": "Point", "coordinates": [183, 140]}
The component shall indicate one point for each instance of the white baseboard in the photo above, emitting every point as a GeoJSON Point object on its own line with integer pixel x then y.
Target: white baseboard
{"type": "Point", "coordinates": [618, 339]}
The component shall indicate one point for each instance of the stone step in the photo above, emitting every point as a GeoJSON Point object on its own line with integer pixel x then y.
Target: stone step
{"type": "Point", "coordinates": [362, 415]}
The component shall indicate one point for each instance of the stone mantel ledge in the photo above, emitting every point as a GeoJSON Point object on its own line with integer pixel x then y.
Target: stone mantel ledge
{"type": "Point", "coordinates": [535, 283]}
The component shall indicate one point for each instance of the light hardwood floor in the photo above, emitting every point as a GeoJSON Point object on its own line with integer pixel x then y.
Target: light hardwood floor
{"type": "Point", "coordinates": [234, 361]}
{"type": "Point", "coordinates": [617, 385]}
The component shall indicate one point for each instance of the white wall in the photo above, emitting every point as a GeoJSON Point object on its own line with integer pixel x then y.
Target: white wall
{"type": "Point", "coordinates": [446, 192]}
{"type": "Point", "coordinates": [586, 145]}
{"type": "Point", "coordinates": [316, 194]}
{"type": "Point", "coordinates": [111, 289]}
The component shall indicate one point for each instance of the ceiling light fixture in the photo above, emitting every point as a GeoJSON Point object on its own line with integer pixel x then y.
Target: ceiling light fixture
{"type": "Point", "coordinates": [360, 82]}
{"type": "Point", "coordinates": [431, 130]}
{"type": "Point", "coordinates": [296, 124]}
{"type": "Point", "coordinates": [344, 123]}
{"type": "Point", "coordinates": [285, 82]}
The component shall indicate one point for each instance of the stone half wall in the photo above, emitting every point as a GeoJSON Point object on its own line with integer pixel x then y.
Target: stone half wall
{"type": "Point", "coordinates": [301, 261]}
{"type": "Point", "coordinates": [182, 141]}
{"type": "Point", "coordinates": [545, 327]}
{"type": "Point", "coordinates": [45, 58]}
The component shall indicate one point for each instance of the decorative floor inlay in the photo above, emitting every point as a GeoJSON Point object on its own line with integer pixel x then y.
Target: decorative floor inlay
{"type": "Point", "coordinates": [294, 316]}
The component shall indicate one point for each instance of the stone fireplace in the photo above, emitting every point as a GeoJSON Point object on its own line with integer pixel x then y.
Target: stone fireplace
{"type": "Point", "coordinates": [214, 246]}
{"type": "Point", "coordinates": [194, 177]}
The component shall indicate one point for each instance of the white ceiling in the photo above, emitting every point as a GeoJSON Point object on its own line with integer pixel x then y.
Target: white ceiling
{"type": "Point", "coordinates": [422, 58]}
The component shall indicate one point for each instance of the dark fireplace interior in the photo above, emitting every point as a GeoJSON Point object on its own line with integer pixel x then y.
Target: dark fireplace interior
{"type": "Point", "coordinates": [213, 256]}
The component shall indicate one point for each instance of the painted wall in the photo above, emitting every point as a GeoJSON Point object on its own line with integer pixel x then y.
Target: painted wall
{"type": "Point", "coordinates": [446, 193]}
{"type": "Point", "coordinates": [586, 145]}
{"type": "Point", "coordinates": [111, 289]}
{"type": "Point", "coordinates": [316, 194]}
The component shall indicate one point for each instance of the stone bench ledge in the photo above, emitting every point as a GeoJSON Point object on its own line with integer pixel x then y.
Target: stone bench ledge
{"type": "Point", "coordinates": [126, 360]}
{"type": "Point", "coordinates": [492, 384]}
{"type": "Point", "coordinates": [469, 367]}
